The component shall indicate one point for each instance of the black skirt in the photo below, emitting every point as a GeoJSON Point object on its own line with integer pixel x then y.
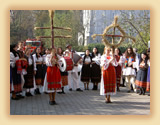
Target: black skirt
{"type": "Point", "coordinates": [29, 78]}
{"type": "Point", "coordinates": [95, 73]}
{"type": "Point", "coordinates": [86, 73]}
{"type": "Point", "coordinates": [44, 70]}
{"type": "Point", "coordinates": [64, 73]}
{"type": "Point", "coordinates": [16, 80]}
{"type": "Point", "coordinates": [39, 75]}
{"type": "Point", "coordinates": [141, 79]}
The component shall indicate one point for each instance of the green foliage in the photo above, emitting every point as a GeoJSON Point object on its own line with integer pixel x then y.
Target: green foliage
{"type": "Point", "coordinates": [100, 47]}
{"type": "Point", "coordinates": [140, 19]}
{"type": "Point", "coordinates": [23, 23]}
{"type": "Point", "coordinates": [80, 48]}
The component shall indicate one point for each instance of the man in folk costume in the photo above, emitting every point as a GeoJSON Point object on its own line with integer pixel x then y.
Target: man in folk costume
{"type": "Point", "coordinates": [129, 68]}
{"type": "Point", "coordinates": [108, 79]}
{"type": "Point", "coordinates": [73, 74]}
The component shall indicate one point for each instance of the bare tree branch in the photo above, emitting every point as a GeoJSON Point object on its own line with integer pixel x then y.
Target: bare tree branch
{"type": "Point", "coordinates": [137, 31]}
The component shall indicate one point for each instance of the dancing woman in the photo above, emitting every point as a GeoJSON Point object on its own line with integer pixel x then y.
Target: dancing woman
{"type": "Point", "coordinates": [53, 76]}
{"type": "Point", "coordinates": [108, 80]}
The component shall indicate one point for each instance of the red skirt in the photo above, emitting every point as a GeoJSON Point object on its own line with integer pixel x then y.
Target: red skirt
{"type": "Point", "coordinates": [109, 77]}
{"type": "Point", "coordinates": [53, 78]}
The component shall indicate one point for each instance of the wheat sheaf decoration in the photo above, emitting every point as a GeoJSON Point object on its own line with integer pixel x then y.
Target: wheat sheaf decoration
{"type": "Point", "coordinates": [51, 13]}
{"type": "Point", "coordinates": [114, 25]}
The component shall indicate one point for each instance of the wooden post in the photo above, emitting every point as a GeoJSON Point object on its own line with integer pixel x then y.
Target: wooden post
{"type": "Point", "coordinates": [51, 14]}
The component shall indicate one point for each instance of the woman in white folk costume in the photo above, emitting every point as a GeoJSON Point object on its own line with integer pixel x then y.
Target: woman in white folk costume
{"type": "Point", "coordinates": [16, 68]}
{"type": "Point", "coordinates": [47, 51]}
{"type": "Point", "coordinates": [64, 75]}
{"type": "Point", "coordinates": [95, 68]}
{"type": "Point", "coordinates": [86, 70]}
{"type": "Point", "coordinates": [53, 76]}
{"type": "Point", "coordinates": [73, 74]}
{"type": "Point", "coordinates": [108, 79]}
{"type": "Point", "coordinates": [31, 71]}
{"type": "Point", "coordinates": [129, 68]}
{"type": "Point", "coordinates": [39, 74]}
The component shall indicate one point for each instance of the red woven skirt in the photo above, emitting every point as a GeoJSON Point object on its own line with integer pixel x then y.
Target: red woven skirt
{"type": "Point", "coordinates": [109, 77]}
{"type": "Point", "coordinates": [53, 78]}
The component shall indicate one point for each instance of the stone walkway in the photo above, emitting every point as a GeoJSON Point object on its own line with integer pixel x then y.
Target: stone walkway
{"type": "Point", "coordinates": [88, 102]}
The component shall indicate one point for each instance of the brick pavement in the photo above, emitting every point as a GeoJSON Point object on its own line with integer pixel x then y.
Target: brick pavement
{"type": "Point", "coordinates": [88, 102]}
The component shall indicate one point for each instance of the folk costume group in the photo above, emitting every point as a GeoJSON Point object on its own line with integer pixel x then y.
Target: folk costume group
{"type": "Point", "coordinates": [41, 71]}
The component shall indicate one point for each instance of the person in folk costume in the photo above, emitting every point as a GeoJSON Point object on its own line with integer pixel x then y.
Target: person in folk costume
{"type": "Point", "coordinates": [86, 69]}
{"type": "Point", "coordinates": [20, 51]}
{"type": "Point", "coordinates": [47, 51]}
{"type": "Point", "coordinates": [95, 68]}
{"type": "Point", "coordinates": [122, 76]}
{"type": "Point", "coordinates": [31, 71]}
{"type": "Point", "coordinates": [138, 57]}
{"type": "Point", "coordinates": [129, 68]}
{"type": "Point", "coordinates": [141, 79]}
{"type": "Point", "coordinates": [64, 75]}
{"type": "Point", "coordinates": [108, 79]}
{"type": "Point", "coordinates": [10, 78]}
{"type": "Point", "coordinates": [72, 75]}
{"type": "Point", "coordinates": [53, 75]}
{"type": "Point", "coordinates": [148, 73]}
{"type": "Point", "coordinates": [119, 59]}
{"type": "Point", "coordinates": [39, 73]}
{"type": "Point", "coordinates": [16, 68]}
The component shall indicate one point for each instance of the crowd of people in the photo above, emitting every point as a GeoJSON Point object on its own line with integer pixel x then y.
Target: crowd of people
{"type": "Point", "coordinates": [39, 70]}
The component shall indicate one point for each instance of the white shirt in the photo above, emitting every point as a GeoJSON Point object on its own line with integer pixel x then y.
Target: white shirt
{"type": "Point", "coordinates": [13, 59]}
{"type": "Point", "coordinates": [97, 59]}
{"type": "Point", "coordinates": [87, 59]}
{"type": "Point", "coordinates": [48, 59]}
{"type": "Point", "coordinates": [105, 62]}
{"type": "Point", "coordinates": [129, 70]}
{"type": "Point", "coordinates": [40, 59]}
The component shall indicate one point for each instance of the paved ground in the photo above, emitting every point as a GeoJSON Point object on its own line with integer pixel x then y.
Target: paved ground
{"type": "Point", "coordinates": [88, 102]}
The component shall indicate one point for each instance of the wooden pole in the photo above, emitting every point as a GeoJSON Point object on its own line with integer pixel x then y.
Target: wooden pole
{"type": "Point", "coordinates": [51, 14]}
{"type": "Point", "coordinates": [113, 48]}
{"type": "Point", "coordinates": [52, 30]}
